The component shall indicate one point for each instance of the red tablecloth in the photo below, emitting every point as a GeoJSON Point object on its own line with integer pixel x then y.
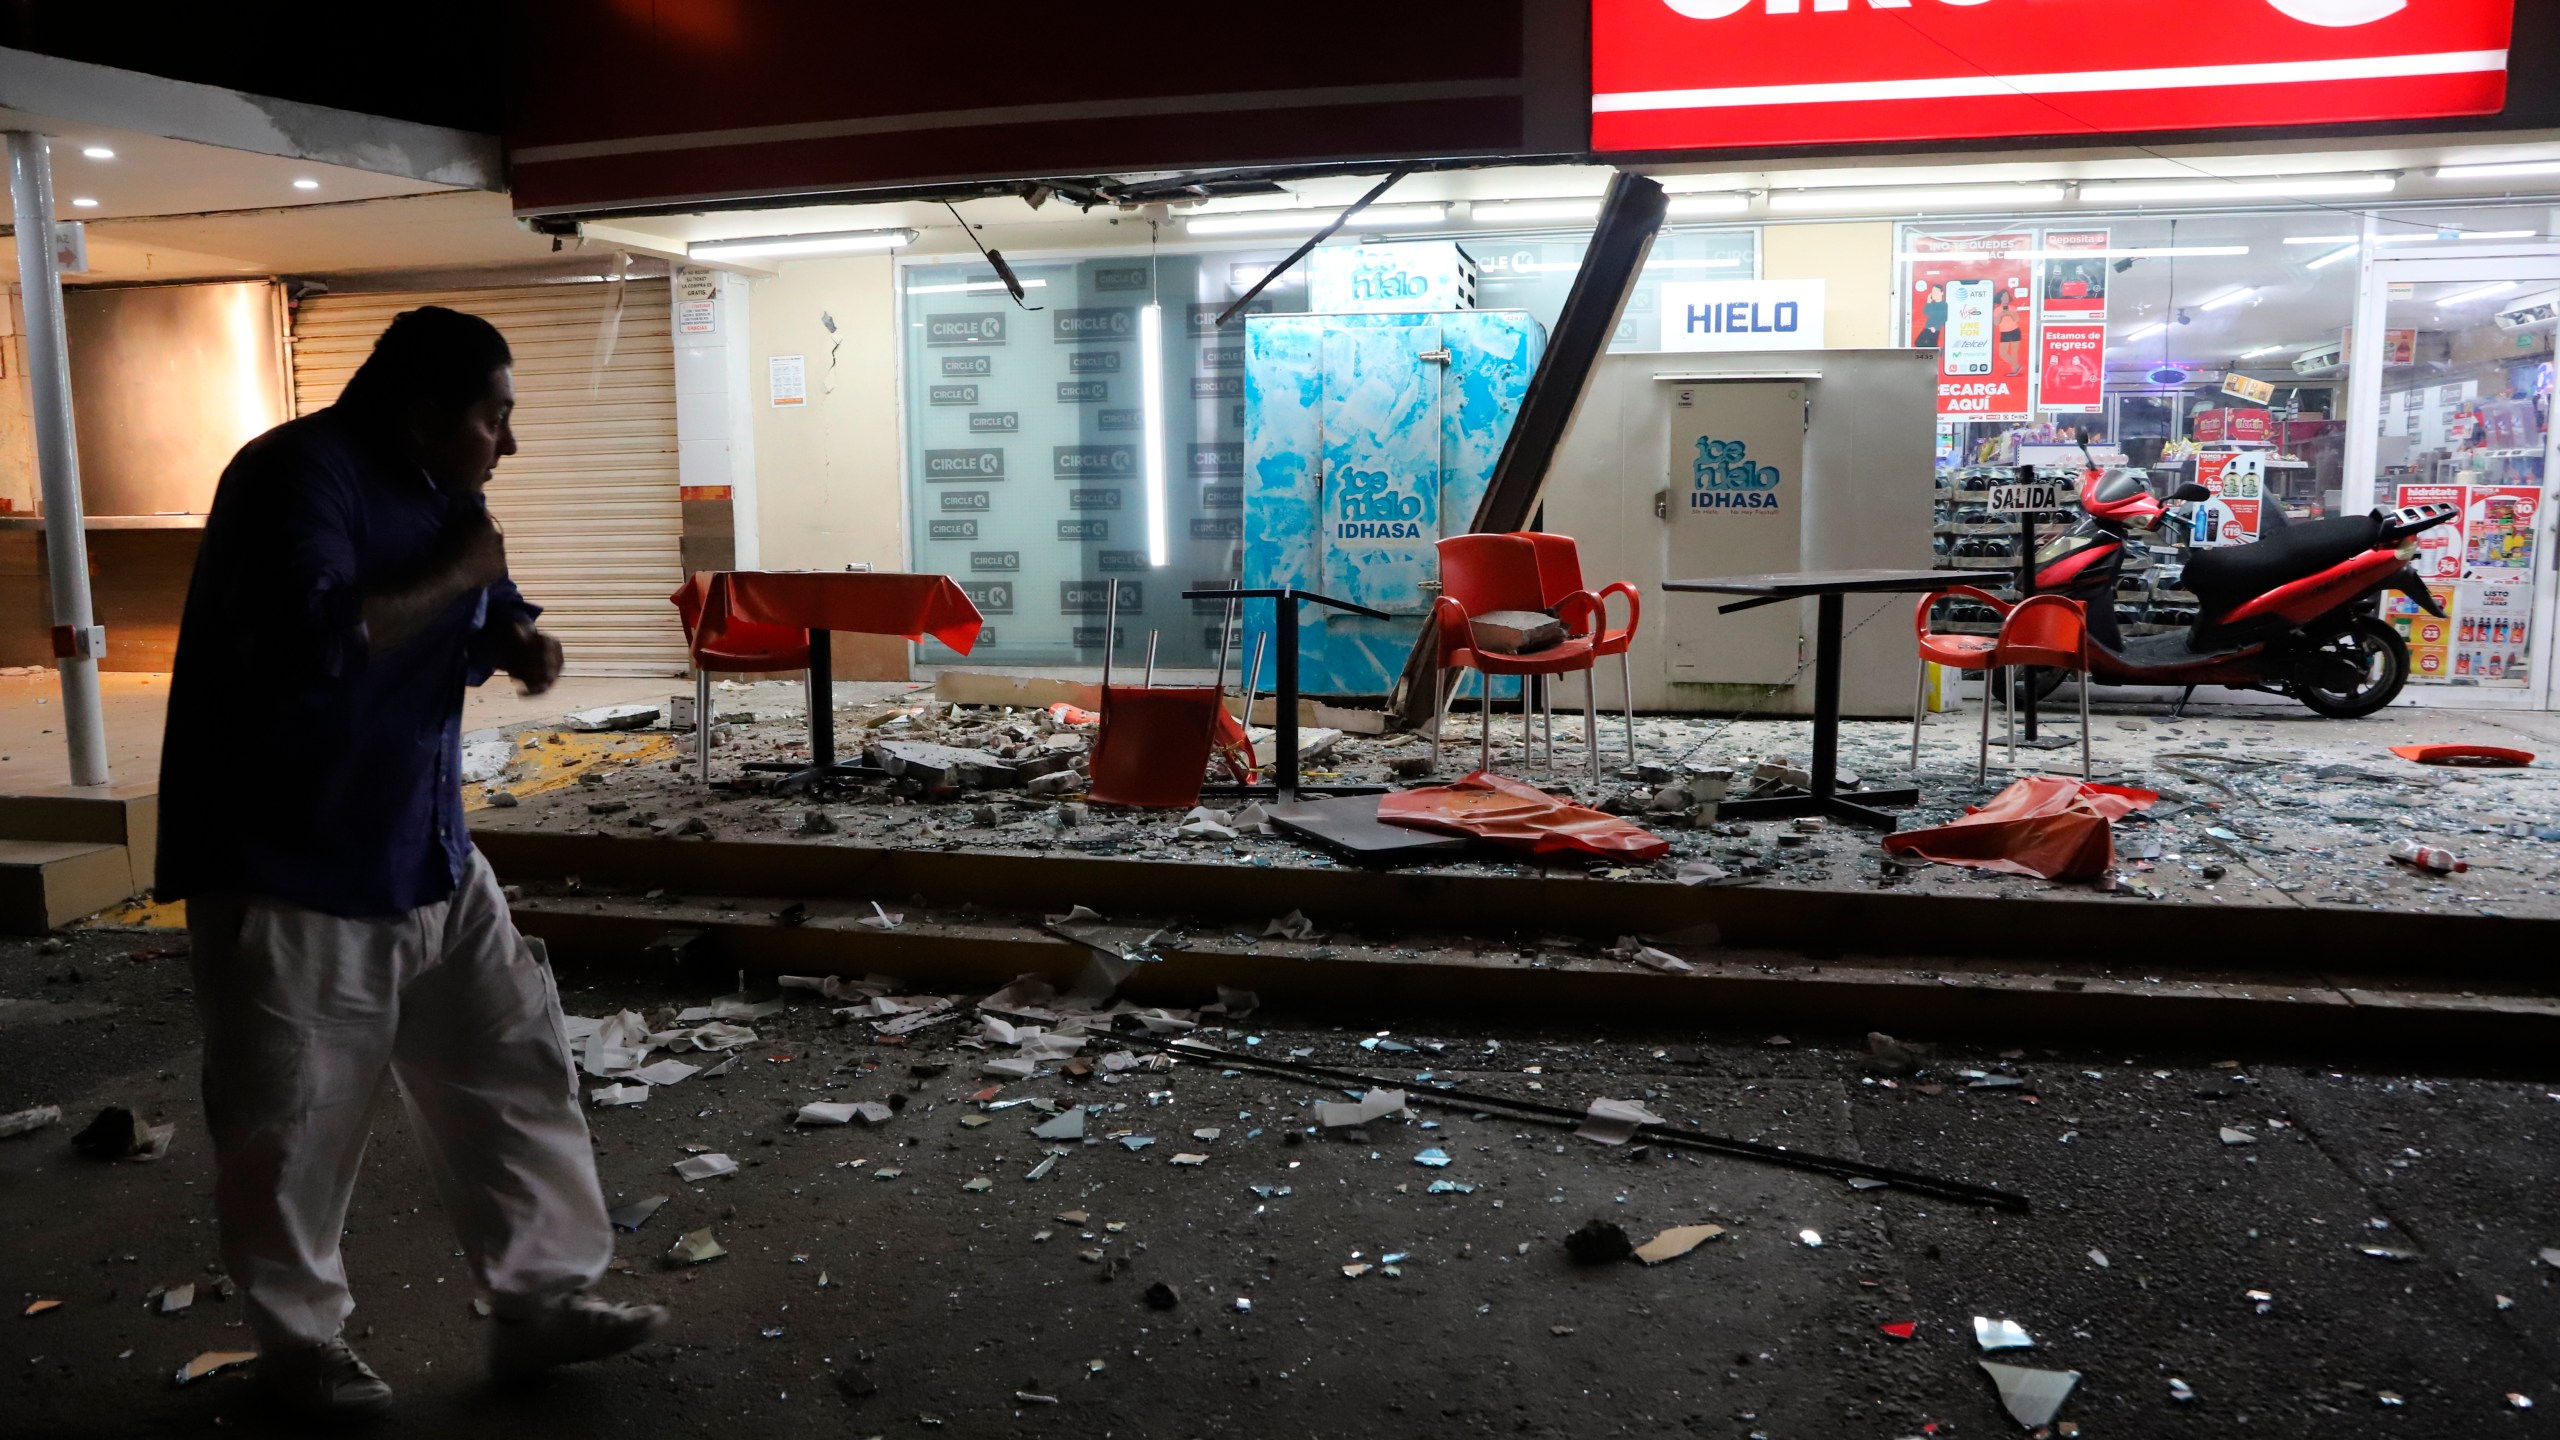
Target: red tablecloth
{"type": "Point", "coordinates": [759, 620]}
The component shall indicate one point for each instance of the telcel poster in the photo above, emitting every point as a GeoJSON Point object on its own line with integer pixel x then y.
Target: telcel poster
{"type": "Point", "coordinates": [1972, 300]}
{"type": "Point", "coordinates": [2071, 351]}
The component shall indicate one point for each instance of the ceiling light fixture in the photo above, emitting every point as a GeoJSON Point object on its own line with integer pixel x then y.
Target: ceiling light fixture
{"type": "Point", "coordinates": [1684, 207]}
{"type": "Point", "coordinates": [85, 202]}
{"type": "Point", "coordinates": [2156, 327]}
{"type": "Point", "coordinates": [1919, 198]}
{"type": "Point", "coordinates": [2333, 257]}
{"type": "Point", "coordinates": [967, 287]}
{"type": "Point", "coordinates": [2262, 350]}
{"type": "Point", "coordinates": [2498, 169]}
{"type": "Point", "coordinates": [306, 184]}
{"type": "Point", "coordinates": [99, 152]}
{"type": "Point", "coordinates": [833, 242]}
{"type": "Point", "coordinates": [1496, 212]}
{"type": "Point", "coordinates": [2273, 187]}
{"type": "Point", "coordinates": [1284, 222]}
{"type": "Point", "coordinates": [2481, 292]}
{"type": "Point", "coordinates": [2230, 298]}
{"type": "Point", "coordinates": [2161, 252]}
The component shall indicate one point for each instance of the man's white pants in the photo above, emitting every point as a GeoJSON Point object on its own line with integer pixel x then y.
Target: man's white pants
{"type": "Point", "coordinates": [304, 1013]}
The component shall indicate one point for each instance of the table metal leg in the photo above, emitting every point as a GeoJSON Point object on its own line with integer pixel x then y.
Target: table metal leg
{"type": "Point", "coordinates": [1826, 696]}
{"type": "Point", "coordinates": [1284, 705]}
{"type": "Point", "coordinates": [702, 723]}
{"type": "Point", "coordinates": [822, 701]}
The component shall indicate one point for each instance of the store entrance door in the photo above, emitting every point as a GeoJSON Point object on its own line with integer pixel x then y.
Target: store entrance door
{"type": "Point", "coordinates": [2452, 390]}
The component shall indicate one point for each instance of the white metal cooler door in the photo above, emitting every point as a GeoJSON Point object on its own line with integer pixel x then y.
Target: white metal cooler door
{"type": "Point", "coordinates": [1735, 506]}
{"type": "Point", "coordinates": [590, 503]}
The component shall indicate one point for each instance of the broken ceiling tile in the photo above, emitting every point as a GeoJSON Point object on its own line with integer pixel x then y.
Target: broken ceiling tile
{"type": "Point", "coordinates": [1614, 1122]}
{"type": "Point", "coordinates": [705, 1167]}
{"type": "Point", "coordinates": [1675, 1242]}
{"type": "Point", "coordinates": [1372, 1105]}
{"type": "Point", "coordinates": [2031, 1396]}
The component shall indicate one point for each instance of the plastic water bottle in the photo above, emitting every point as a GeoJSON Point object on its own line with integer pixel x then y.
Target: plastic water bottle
{"type": "Point", "coordinates": [2429, 858]}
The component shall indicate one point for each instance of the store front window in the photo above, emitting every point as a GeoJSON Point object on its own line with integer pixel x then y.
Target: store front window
{"type": "Point", "coordinates": [1027, 430]}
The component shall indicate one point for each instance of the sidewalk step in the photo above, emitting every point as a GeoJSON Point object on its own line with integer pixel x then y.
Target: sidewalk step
{"type": "Point", "coordinates": [45, 884]}
{"type": "Point", "coordinates": [122, 815]}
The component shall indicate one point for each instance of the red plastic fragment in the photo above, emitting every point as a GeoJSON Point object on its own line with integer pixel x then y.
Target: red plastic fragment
{"type": "Point", "coordinates": [1901, 1329]}
{"type": "Point", "coordinates": [2485, 757]}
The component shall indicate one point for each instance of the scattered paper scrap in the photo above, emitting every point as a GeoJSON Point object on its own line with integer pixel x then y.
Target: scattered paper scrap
{"type": "Point", "coordinates": [1188, 1158]}
{"type": "Point", "coordinates": [21, 1122]}
{"type": "Point", "coordinates": [695, 1247]}
{"type": "Point", "coordinates": [1293, 926]}
{"type": "Point", "coordinates": [665, 1072]}
{"type": "Point", "coordinates": [1614, 1122]}
{"type": "Point", "coordinates": [2033, 1397]}
{"type": "Point", "coordinates": [211, 1361]}
{"type": "Point", "coordinates": [606, 1096]}
{"type": "Point", "coordinates": [1372, 1105]}
{"type": "Point", "coordinates": [1675, 1242]}
{"type": "Point", "coordinates": [177, 1298]}
{"type": "Point", "coordinates": [705, 1167]}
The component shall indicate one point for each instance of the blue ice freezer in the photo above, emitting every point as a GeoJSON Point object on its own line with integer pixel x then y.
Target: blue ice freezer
{"type": "Point", "coordinates": [1366, 439]}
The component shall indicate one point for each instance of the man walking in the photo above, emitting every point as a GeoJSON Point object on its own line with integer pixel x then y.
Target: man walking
{"type": "Point", "coordinates": [350, 584]}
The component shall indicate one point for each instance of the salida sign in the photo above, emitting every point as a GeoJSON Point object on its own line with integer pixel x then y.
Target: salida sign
{"type": "Point", "coordinates": [1704, 74]}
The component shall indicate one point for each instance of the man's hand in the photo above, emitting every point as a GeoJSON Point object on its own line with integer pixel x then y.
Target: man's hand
{"type": "Point", "coordinates": [470, 556]}
{"type": "Point", "coordinates": [532, 657]}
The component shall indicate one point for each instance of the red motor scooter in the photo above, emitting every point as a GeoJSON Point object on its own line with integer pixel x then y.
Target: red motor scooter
{"type": "Point", "coordinates": [2296, 613]}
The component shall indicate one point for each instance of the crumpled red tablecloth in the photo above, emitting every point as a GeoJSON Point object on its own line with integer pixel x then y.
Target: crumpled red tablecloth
{"type": "Point", "coordinates": [760, 619]}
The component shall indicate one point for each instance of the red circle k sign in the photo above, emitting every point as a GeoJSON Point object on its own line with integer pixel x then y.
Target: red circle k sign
{"type": "Point", "coordinates": [1701, 74]}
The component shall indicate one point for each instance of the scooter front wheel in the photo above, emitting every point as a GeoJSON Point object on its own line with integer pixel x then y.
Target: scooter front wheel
{"type": "Point", "coordinates": [2354, 670]}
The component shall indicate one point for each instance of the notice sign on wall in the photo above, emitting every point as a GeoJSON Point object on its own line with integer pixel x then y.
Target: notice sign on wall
{"type": "Point", "coordinates": [787, 377]}
{"type": "Point", "coordinates": [1729, 315]}
{"type": "Point", "coordinates": [1971, 299]}
{"type": "Point", "coordinates": [1708, 74]}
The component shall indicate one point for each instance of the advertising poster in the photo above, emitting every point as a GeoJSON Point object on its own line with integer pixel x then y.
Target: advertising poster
{"type": "Point", "coordinates": [2239, 486]}
{"type": "Point", "coordinates": [2496, 531]}
{"type": "Point", "coordinates": [2075, 366]}
{"type": "Point", "coordinates": [1972, 300]}
{"type": "Point", "coordinates": [2430, 639]}
{"type": "Point", "coordinates": [2440, 550]}
{"type": "Point", "coordinates": [2075, 274]}
{"type": "Point", "coordinates": [2071, 345]}
{"type": "Point", "coordinates": [2491, 643]}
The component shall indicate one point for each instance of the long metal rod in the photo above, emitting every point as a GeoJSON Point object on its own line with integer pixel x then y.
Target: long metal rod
{"type": "Point", "coordinates": [1110, 628]}
{"type": "Point", "coordinates": [66, 537]}
{"type": "Point", "coordinates": [1318, 238]}
{"type": "Point", "coordinates": [1455, 1099]}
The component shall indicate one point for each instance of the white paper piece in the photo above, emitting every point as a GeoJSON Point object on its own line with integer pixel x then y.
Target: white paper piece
{"type": "Point", "coordinates": [578, 1027]}
{"type": "Point", "coordinates": [705, 1167]}
{"type": "Point", "coordinates": [1159, 1021]}
{"type": "Point", "coordinates": [665, 1072]}
{"type": "Point", "coordinates": [1698, 872]}
{"type": "Point", "coordinates": [1368, 1107]}
{"type": "Point", "coordinates": [718, 1036]}
{"type": "Point", "coordinates": [1252, 820]}
{"type": "Point", "coordinates": [880, 919]}
{"type": "Point", "coordinates": [1293, 926]}
{"type": "Point", "coordinates": [1050, 1045]}
{"type": "Point", "coordinates": [739, 1007]}
{"type": "Point", "coordinates": [1630, 947]}
{"type": "Point", "coordinates": [1009, 1068]}
{"type": "Point", "coordinates": [1076, 915]}
{"type": "Point", "coordinates": [1204, 823]}
{"type": "Point", "coordinates": [605, 1096]}
{"type": "Point", "coordinates": [842, 1112]}
{"type": "Point", "coordinates": [1614, 1122]}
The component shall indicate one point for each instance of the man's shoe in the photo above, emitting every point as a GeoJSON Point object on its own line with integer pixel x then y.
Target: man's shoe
{"type": "Point", "coordinates": [566, 1331]}
{"type": "Point", "coordinates": [323, 1382]}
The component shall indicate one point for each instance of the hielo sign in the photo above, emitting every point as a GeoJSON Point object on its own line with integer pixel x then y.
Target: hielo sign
{"type": "Point", "coordinates": [1742, 315]}
{"type": "Point", "coordinates": [1704, 74]}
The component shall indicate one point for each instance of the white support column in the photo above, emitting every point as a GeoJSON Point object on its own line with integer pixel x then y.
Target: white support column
{"type": "Point", "coordinates": [715, 429]}
{"type": "Point", "coordinates": [77, 639]}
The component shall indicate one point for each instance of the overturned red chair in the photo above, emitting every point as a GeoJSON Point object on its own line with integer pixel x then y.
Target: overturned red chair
{"type": "Point", "coordinates": [1151, 750]}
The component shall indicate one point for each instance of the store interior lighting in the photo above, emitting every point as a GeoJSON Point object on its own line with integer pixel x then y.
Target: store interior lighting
{"type": "Point", "coordinates": [2262, 350]}
{"type": "Point", "coordinates": [2269, 187]}
{"type": "Point", "coordinates": [2481, 292]}
{"type": "Point", "coordinates": [1151, 397]}
{"type": "Point", "coordinates": [1690, 207]}
{"type": "Point", "coordinates": [2414, 237]}
{"type": "Point", "coordinates": [1307, 222]}
{"type": "Point", "coordinates": [834, 242]}
{"type": "Point", "coordinates": [1526, 212]}
{"type": "Point", "coordinates": [2349, 252]}
{"type": "Point", "coordinates": [2232, 297]}
{"type": "Point", "coordinates": [970, 287]}
{"type": "Point", "coordinates": [2156, 327]}
{"type": "Point", "coordinates": [1919, 199]}
{"type": "Point", "coordinates": [2498, 170]}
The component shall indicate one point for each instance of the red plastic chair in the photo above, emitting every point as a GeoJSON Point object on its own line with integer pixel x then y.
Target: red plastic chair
{"type": "Point", "coordinates": [1480, 574]}
{"type": "Point", "coordinates": [743, 648]}
{"type": "Point", "coordinates": [1560, 575]}
{"type": "Point", "coordinates": [1152, 748]}
{"type": "Point", "coordinates": [2046, 632]}
{"type": "Point", "coordinates": [1955, 652]}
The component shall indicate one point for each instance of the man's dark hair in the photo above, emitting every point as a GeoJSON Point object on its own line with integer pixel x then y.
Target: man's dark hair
{"type": "Point", "coordinates": [431, 354]}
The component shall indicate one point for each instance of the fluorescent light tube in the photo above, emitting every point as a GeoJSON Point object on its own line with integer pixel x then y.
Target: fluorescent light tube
{"type": "Point", "coordinates": [2232, 297]}
{"type": "Point", "coordinates": [2497, 169]}
{"type": "Point", "coordinates": [2156, 327]}
{"type": "Point", "coordinates": [1307, 222]}
{"type": "Point", "coordinates": [1732, 203]}
{"type": "Point", "coordinates": [2274, 187]}
{"type": "Point", "coordinates": [972, 286]}
{"type": "Point", "coordinates": [1916, 198]}
{"type": "Point", "coordinates": [837, 242]}
{"type": "Point", "coordinates": [2482, 292]}
{"type": "Point", "coordinates": [1497, 212]}
{"type": "Point", "coordinates": [1151, 397]}
{"type": "Point", "coordinates": [2333, 257]}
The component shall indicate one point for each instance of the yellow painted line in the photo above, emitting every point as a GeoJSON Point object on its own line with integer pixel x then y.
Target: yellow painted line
{"type": "Point", "coordinates": [545, 763]}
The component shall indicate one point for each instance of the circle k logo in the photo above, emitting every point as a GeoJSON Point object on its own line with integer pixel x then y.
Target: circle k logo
{"type": "Point", "coordinates": [2336, 14]}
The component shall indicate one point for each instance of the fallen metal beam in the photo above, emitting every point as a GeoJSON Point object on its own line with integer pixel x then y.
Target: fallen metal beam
{"type": "Point", "coordinates": [1451, 1097]}
{"type": "Point", "coordinates": [1630, 216]}
{"type": "Point", "coordinates": [1318, 238]}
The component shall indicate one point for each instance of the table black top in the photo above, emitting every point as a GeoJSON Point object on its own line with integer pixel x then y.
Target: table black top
{"type": "Point", "coordinates": [1832, 582]}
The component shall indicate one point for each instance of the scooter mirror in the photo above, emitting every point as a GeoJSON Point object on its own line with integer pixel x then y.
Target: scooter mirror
{"type": "Point", "coordinates": [2191, 491]}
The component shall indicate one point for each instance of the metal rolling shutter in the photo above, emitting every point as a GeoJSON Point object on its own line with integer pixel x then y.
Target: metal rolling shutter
{"type": "Point", "coordinates": [589, 503]}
